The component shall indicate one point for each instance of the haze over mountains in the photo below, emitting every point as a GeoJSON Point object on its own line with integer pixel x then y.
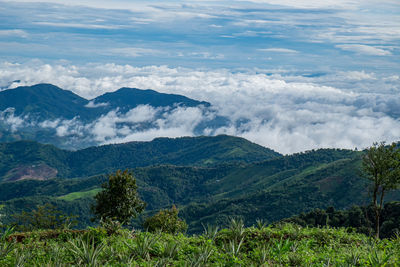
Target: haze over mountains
{"type": "Point", "coordinates": [49, 114]}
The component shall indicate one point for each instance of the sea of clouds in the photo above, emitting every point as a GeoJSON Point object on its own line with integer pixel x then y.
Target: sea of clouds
{"type": "Point", "coordinates": [287, 111]}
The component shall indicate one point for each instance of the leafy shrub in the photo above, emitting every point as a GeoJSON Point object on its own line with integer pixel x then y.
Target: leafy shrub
{"type": "Point", "coordinates": [166, 221]}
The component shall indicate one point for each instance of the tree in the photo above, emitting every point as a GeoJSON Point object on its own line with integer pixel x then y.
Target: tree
{"type": "Point", "coordinates": [43, 217]}
{"type": "Point", "coordinates": [166, 221]}
{"type": "Point", "coordinates": [119, 199]}
{"type": "Point", "coordinates": [381, 165]}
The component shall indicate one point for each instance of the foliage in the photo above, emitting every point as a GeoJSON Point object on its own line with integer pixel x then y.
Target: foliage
{"type": "Point", "coordinates": [166, 221]}
{"type": "Point", "coordinates": [280, 245]}
{"type": "Point", "coordinates": [1, 216]}
{"type": "Point", "coordinates": [6, 246]}
{"type": "Point", "coordinates": [85, 251]}
{"type": "Point", "coordinates": [358, 218]}
{"type": "Point", "coordinates": [271, 190]}
{"type": "Point", "coordinates": [185, 151]}
{"type": "Point", "coordinates": [119, 199]}
{"type": "Point", "coordinates": [381, 165]}
{"type": "Point", "coordinates": [44, 216]}
{"type": "Point", "coordinates": [112, 227]}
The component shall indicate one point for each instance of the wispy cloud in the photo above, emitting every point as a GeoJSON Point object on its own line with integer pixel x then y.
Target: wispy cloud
{"type": "Point", "coordinates": [91, 104]}
{"type": "Point", "coordinates": [279, 50]}
{"type": "Point", "coordinates": [225, 35]}
{"type": "Point", "coordinates": [14, 32]}
{"type": "Point", "coordinates": [135, 51]}
{"type": "Point", "coordinates": [78, 25]}
{"type": "Point", "coordinates": [364, 49]}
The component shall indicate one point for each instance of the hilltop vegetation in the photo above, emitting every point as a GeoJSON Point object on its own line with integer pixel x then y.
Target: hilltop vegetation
{"type": "Point", "coordinates": [272, 189]}
{"type": "Point", "coordinates": [109, 158]}
{"type": "Point", "coordinates": [282, 245]}
{"type": "Point", "coordinates": [361, 219]}
{"type": "Point", "coordinates": [223, 176]}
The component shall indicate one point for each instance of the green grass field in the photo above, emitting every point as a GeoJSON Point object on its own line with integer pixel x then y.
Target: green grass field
{"type": "Point", "coordinates": [82, 194]}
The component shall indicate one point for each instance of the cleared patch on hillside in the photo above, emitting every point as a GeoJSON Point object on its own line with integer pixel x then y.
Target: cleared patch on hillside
{"type": "Point", "coordinates": [40, 171]}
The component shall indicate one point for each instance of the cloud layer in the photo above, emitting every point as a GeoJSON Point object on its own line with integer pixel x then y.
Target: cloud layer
{"type": "Point", "coordinates": [288, 111]}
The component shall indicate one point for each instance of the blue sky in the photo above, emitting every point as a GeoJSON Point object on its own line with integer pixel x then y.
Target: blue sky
{"type": "Point", "coordinates": [332, 65]}
{"type": "Point", "coordinates": [347, 35]}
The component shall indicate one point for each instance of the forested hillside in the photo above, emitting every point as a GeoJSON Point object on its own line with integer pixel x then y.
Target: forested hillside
{"type": "Point", "coordinates": [206, 190]}
{"type": "Point", "coordinates": [198, 151]}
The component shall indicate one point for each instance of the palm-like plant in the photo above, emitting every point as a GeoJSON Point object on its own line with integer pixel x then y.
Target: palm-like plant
{"type": "Point", "coordinates": [6, 245]}
{"type": "Point", "coordinates": [86, 251]}
{"type": "Point", "coordinates": [143, 245]}
{"type": "Point", "coordinates": [210, 231]}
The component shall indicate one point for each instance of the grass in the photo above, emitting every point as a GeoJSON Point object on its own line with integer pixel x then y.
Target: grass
{"type": "Point", "coordinates": [281, 245]}
{"type": "Point", "coordinates": [81, 194]}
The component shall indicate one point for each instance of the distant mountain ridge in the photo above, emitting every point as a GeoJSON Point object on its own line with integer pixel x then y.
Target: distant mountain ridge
{"type": "Point", "coordinates": [49, 114]}
{"type": "Point", "coordinates": [200, 151]}
{"type": "Point", "coordinates": [47, 101]}
{"type": "Point", "coordinates": [128, 98]}
{"type": "Point", "coordinates": [43, 101]}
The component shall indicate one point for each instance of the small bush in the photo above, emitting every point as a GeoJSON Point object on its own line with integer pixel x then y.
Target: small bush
{"type": "Point", "coordinates": [166, 221]}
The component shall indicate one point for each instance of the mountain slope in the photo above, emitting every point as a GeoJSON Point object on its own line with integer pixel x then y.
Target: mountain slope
{"type": "Point", "coordinates": [128, 98]}
{"type": "Point", "coordinates": [47, 101]}
{"type": "Point", "coordinates": [48, 114]}
{"type": "Point", "coordinates": [106, 159]}
{"type": "Point", "coordinates": [271, 190]}
{"type": "Point", "coordinates": [44, 102]}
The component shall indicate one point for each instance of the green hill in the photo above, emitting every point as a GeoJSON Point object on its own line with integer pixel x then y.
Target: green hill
{"type": "Point", "coordinates": [218, 177]}
{"type": "Point", "coordinates": [15, 158]}
{"type": "Point", "coordinates": [45, 102]}
{"type": "Point", "coordinates": [271, 190]}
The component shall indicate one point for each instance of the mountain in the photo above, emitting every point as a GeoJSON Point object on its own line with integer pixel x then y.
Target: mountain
{"type": "Point", "coordinates": [129, 98]}
{"type": "Point", "coordinates": [47, 101]}
{"type": "Point", "coordinates": [48, 114]}
{"type": "Point", "coordinates": [44, 102]}
{"type": "Point", "coordinates": [17, 158]}
{"type": "Point", "coordinates": [206, 191]}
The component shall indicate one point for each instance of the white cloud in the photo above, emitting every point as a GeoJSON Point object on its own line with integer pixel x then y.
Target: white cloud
{"type": "Point", "coordinates": [278, 50]}
{"type": "Point", "coordinates": [135, 51]}
{"type": "Point", "coordinates": [14, 32]}
{"type": "Point", "coordinates": [77, 25]}
{"type": "Point", "coordinates": [311, 3]}
{"type": "Point", "coordinates": [91, 104]}
{"type": "Point", "coordinates": [8, 117]}
{"type": "Point", "coordinates": [285, 111]}
{"type": "Point", "coordinates": [364, 49]}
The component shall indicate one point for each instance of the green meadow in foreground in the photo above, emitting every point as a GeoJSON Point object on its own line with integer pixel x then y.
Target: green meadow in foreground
{"type": "Point", "coordinates": [280, 245]}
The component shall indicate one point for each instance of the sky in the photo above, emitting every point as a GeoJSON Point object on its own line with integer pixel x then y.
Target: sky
{"type": "Point", "coordinates": [298, 75]}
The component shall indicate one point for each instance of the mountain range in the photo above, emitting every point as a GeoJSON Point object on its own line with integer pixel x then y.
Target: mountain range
{"type": "Point", "coordinates": [50, 153]}
{"type": "Point", "coordinates": [49, 114]}
{"type": "Point", "coordinates": [47, 101]}
{"type": "Point", "coordinates": [210, 178]}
